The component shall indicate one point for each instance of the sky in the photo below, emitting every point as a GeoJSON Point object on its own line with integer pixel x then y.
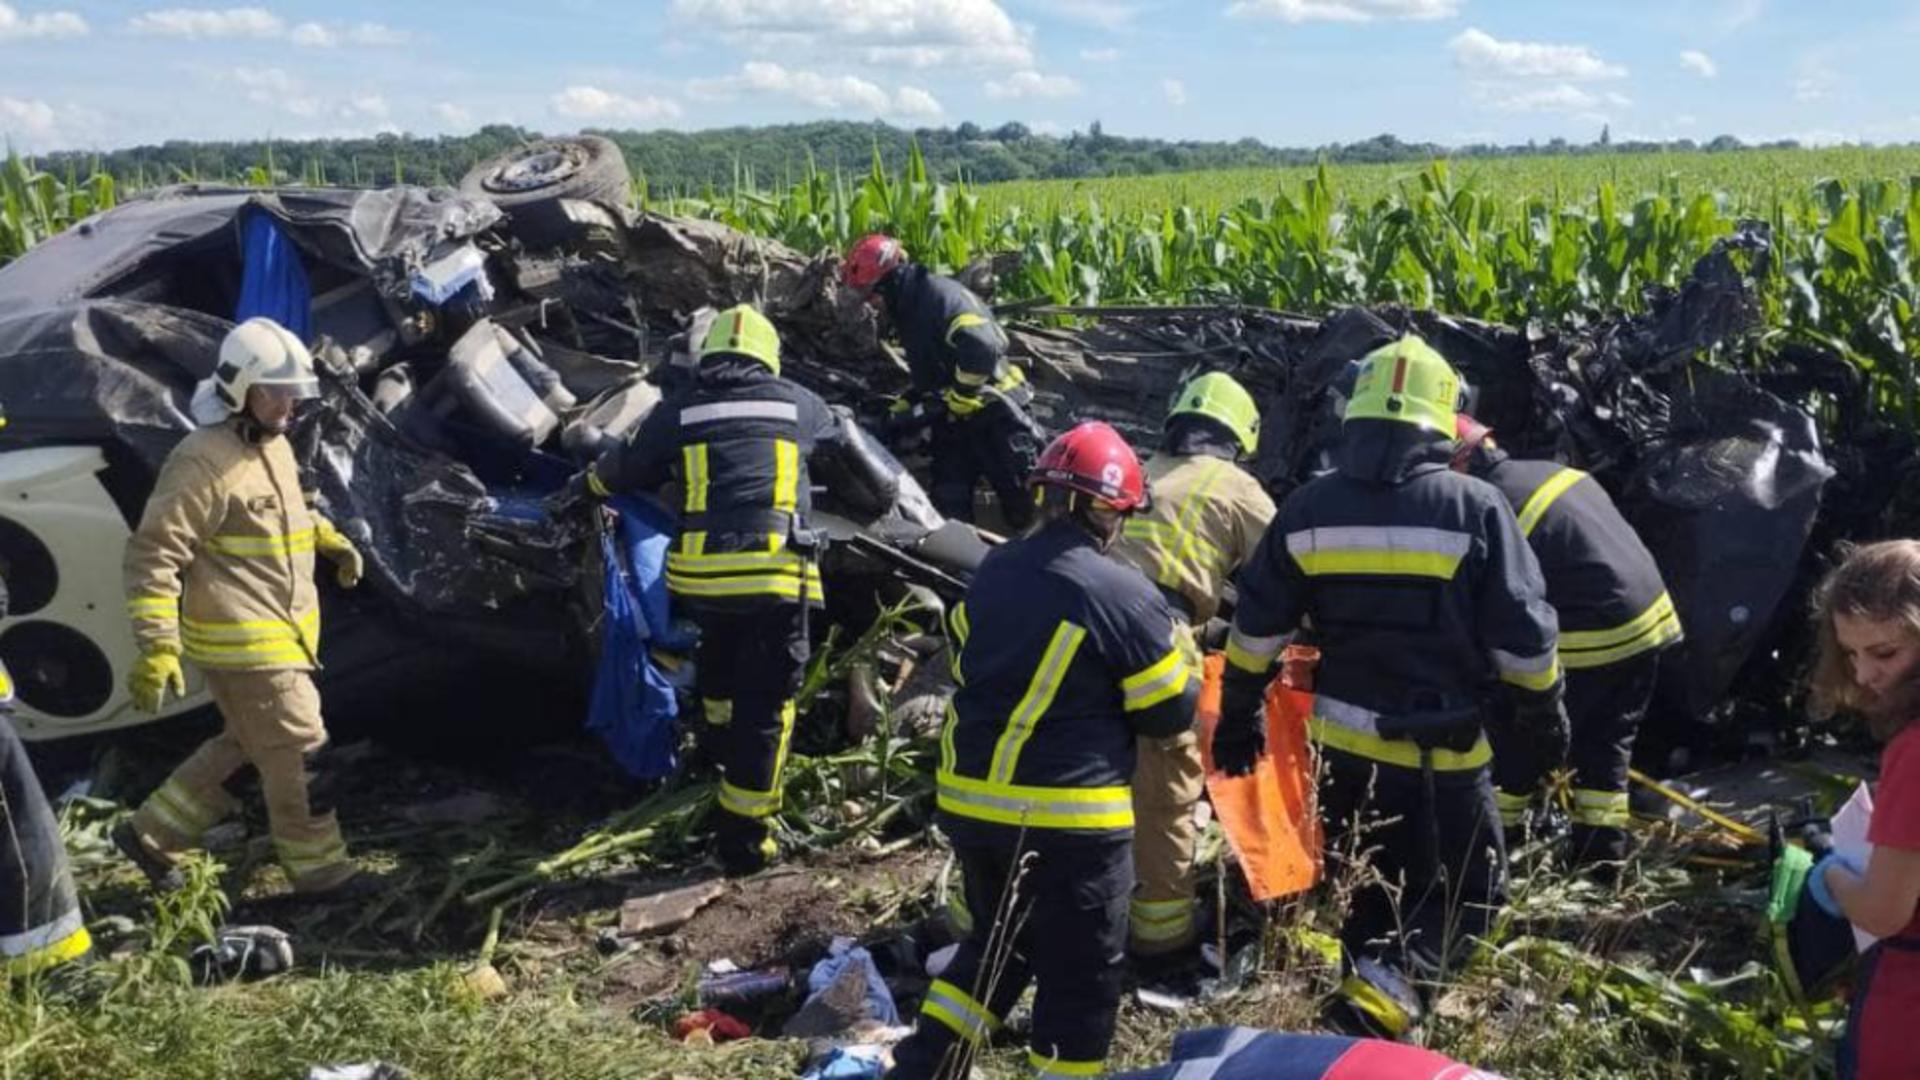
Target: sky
{"type": "Point", "coordinates": [82, 75]}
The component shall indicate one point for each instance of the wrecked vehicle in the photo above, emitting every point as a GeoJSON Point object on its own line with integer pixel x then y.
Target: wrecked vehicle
{"type": "Point", "coordinates": [477, 346]}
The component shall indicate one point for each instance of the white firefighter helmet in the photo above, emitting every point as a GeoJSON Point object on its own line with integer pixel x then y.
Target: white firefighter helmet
{"type": "Point", "coordinates": [261, 352]}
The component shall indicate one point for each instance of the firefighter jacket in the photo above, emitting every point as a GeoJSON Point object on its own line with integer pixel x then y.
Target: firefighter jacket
{"type": "Point", "coordinates": [949, 336]}
{"type": "Point", "coordinates": [1601, 579]}
{"type": "Point", "coordinates": [738, 437]}
{"type": "Point", "coordinates": [1208, 514]}
{"type": "Point", "coordinates": [221, 566]}
{"type": "Point", "coordinates": [1063, 657]}
{"type": "Point", "coordinates": [1418, 588]}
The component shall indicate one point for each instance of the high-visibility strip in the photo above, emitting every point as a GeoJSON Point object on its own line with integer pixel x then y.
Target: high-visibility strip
{"type": "Point", "coordinates": [790, 586]}
{"type": "Point", "coordinates": [251, 632]}
{"type": "Point", "coordinates": [1167, 540]}
{"type": "Point", "coordinates": [1187, 538]}
{"type": "Point", "coordinates": [1253, 654]}
{"type": "Point", "coordinates": [731, 562]}
{"type": "Point", "coordinates": [959, 1012]}
{"type": "Point", "coordinates": [961, 322]}
{"type": "Point", "coordinates": [1156, 922]}
{"type": "Point", "coordinates": [718, 711]}
{"type": "Point", "coordinates": [1543, 497]}
{"type": "Point", "coordinates": [786, 475]}
{"type": "Point", "coordinates": [946, 738]}
{"type": "Point", "coordinates": [958, 628]}
{"type": "Point", "coordinates": [1512, 808]}
{"type": "Point", "coordinates": [154, 607]}
{"type": "Point", "coordinates": [751, 803]}
{"type": "Point", "coordinates": [1602, 809]}
{"type": "Point", "coordinates": [740, 410]}
{"type": "Point", "coordinates": [41, 937]}
{"type": "Point", "coordinates": [1389, 550]}
{"type": "Point", "coordinates": [1044, 1067]}
{"type": "Point", "coordinates": [1041, 689]}
{"type": "Point", "coordinates": [1167, 678]}
{"type": "Point", "coordinates": [303, 857]}
{"type": "Point", "coordinates": [1654, 628]}
{"type": "Point", "coordinates": [1355, 730]}
{"type": "Point", "coordinates": [6, 685]}
{"type": "Point", "coordinates": [1536, 673]}
{"type": "Point", "coordinates": [1036, 807]}
{"type": "Point", "coordinates": [693, 467]}
{"type": "Point", "coordinates": [180, 811]}
{"type": "Point", "coordinates": [71, 943]}
{"type": "Point", "coordinates": [691, 543]}
{"type": "Point", "coordinates": [970, 379]}
{"type": "Point", "coordinates": [258, 547]}
{"type": "Point", "coordinates": [1391, 1017]}
{"type": "Point", "coordinates": [959, 915]}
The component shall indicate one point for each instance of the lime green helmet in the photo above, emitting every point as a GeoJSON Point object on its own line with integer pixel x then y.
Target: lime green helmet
{"type": "Point", "coordinates": [1409, 382]}
{"type": "Point", "coordinates": [1219, 397]}
{"type": "Point", "coordinates": [743, 331]}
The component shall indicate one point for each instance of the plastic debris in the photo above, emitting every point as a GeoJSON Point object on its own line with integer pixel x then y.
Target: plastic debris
{"type": "Point", "coordinates": [717, 1026]}
{"type": "Point", "coordinates": [240, 952]}
{"type": "Point", "coordinates": [367, 1070]}
{"type": "Point", "coordinates": [743, 986]}
{"type": "Point", "coordinates": [851, 1063]}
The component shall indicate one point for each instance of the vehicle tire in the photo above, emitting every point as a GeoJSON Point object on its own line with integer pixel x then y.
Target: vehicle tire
{"type": "Point", "coordinates": [581, 167]}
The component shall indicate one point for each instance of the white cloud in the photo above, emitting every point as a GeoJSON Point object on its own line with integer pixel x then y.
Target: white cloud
{"type": "Point", "coordinates": [453, 115]}
{"type": "Point", "coordinates": [370, 105]}
{"type": "Point", "coordinates": [273, 88]}
{"type": "Point", "coordinates": [373, 33]}
{"type": "Point", "coordinates": [1299, 11]}
{"type": "Point", "coordinates": [1558, 98]}
{"type": "Point", "coordinates": [1032, 84]}
{"type": "Point", "coordinates": [33, 118]}
{"type": "Point", "coordinates": [195, 23]}
{"type": "Point", "coordinates": [1484, 55]}
{"type": "Point", "coordinates": [1816, 79]}
{"type": "Point", "coordinates": [831, 93]}
{"type": "Point", "coordinates": [1175, 90]}
{"type": "Point", "coordinates": [893, 33]}
{"type": "Point", "coordinates": [312, 35]}
{"type": "Point", "coordinates": [1739, 13]}
{"type": "Point", "coordinates": [1104, 14]}
{"type": "Point", "coordinates": [593, 103]}
{"type": "Point", "coordinates": [1698, 62]}
{"type": "Point", "coordinates": [1099, 56]}
{"type": "Point", "coordinates": [44, 24]}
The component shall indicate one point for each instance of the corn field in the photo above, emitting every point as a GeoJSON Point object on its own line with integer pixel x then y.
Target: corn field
{"type": "Point", "coordinates": [35, 205]}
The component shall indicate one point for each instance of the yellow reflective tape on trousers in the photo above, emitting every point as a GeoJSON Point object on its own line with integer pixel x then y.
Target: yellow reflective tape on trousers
{"type": "Point", "coordinates": [1044, 684]}
{"type": "Point", "coordinates": [1356, 731]}
{"type": "Point", "coordinates": [959, 1012]}
{"type": "Point", "coordinates": [40, 947]}
{"type": "Point", "coordinates": [693, 464]}
{"type": "Point", "coordinates": [1379, 550]}
{"type": "Point", "coordinates": [1036, 807]}
{"type": "Point", "coordinates": [786, 474]}
{"type": "Point", "coordinates": [1154, 921]}
{"type": "Point", "coordinates": [1167, 678]}
{"type": "Point", "coordinates": [1605, 809]}
{"type": "Point", "coordinates": [1046, 1068]}
{"type": "Point", "coordinates": [1653, 628]}
{"type": "Point", "coordinates": [746, 802]}
{"type": "Point", "coordinates": [1543, 496]}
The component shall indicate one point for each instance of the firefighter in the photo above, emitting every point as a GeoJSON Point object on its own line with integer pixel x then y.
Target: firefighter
{"type": "Point", "coordinates": [220, 573]}
{"type": "Point", "coordinates": [743, 566]}
{"type": "Point", "coordinates": [1064, 658]}
{"type": "Point", "coordinates": [1207, 516]}
{"type": "Point", "coordinates": [956, 356]}
{"type": "Point", "coordinates": [40, 921]}
{"type": "Point", "coordinates": [1615, 619]}
{"type": "Point", "coordinates": [1418, 589]}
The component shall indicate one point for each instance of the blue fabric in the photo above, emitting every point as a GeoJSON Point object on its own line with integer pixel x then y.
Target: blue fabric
{"type": "Point", "coordinates": [633, 708]}
{"type": "Point", "coordinates": [880, 1004]}
{"type": "Point", "coordinates": [273, 281]}
{"type": "Point", "coordinates": [848, 1063]}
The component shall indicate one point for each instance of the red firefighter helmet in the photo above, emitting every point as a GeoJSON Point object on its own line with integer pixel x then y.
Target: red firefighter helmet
{"type": "Point", "coordinates": [1095, 460]}
{"type": "Point", "coordinates": [871, 260]}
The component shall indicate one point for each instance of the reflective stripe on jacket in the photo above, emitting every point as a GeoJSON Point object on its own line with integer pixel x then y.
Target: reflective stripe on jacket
{"type": "Point", "coordinates": [1207, 517]}
{"type": "Point", "coordinates": [1064, 657]}
{"type": "Point", "coordinates": [949, 335]}
{"type": "Point", "coordinates": [220, 568]}
{"type": "Point", "coordinates": [1601, 578]}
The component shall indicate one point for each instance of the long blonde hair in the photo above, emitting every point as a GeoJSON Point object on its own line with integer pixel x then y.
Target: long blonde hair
{"type": "Point", "coordinates": [1879, 581]}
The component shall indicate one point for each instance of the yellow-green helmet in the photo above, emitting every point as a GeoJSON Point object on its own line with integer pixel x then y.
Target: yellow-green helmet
{"type": "Point", "coordinates": [743, 331]}
{"type": "Point", "coordinates": [1218, 396]}
{"type": "Point", "coordinates": [1409, 382]}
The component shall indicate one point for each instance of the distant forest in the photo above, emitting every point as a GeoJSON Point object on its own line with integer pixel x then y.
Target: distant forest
{"type": "Point", "coordinates": [680, 162]}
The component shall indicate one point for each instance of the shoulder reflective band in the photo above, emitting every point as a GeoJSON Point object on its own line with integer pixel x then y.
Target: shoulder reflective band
{"type": "Point", "coordinates": [956, 1010]}
{"type": "Point", "coordinates": [693, 463]}
{"type": "Point", "coordinates": [1543, 497]}
{"type": "Point", "coordinates": [1537, 673]}
{"type": "Point", "coordinates": [1035, 702]}
{"type": "Point", "coordinates": [1657, 626]}
{"type": "Point", "coordinates": [740, 410]}
{"type": "Point", "coordinates": [1026, 806]}
{"type": "Point", "coordinates": [1166, 679]}
{"type": "Point", "coordinates": [1387, 550]}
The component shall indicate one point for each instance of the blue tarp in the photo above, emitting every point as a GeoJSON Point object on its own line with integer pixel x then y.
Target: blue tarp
{"type": "Point", "coordinates": [273, 281]}
{"type": "Point", "coordinates": [633, 708]}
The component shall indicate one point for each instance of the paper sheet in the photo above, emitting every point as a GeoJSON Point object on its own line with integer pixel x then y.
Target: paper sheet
{"type": "Point", "coordinates": [1850, 840]}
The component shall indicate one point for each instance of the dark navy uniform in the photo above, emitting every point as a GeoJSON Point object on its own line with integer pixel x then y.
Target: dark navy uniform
{"type": "Point", "coordinates": [1615, 619]}
{"type": "Point", "coordinates": [1064, 658]}
{"type": "Point", "coordinates": [738, 439]}
{"type": "Point", "coordinates": [1417, 588]}
{"type": "Point", "coordinates": [955, 349]}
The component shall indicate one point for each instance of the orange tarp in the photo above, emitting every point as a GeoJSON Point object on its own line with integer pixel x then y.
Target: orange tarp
{"type": "Point", "coordinates": [1270, 816]}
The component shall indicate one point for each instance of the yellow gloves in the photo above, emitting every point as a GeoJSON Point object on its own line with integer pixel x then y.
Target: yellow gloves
{"type": "Point", "coordinates": [152, 676]}
{"type": "Point", "coordinates": [348, 563]}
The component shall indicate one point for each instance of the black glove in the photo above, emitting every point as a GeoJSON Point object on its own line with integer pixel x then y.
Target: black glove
{"type": "Point", "coordinates": [1546, 731]}
{"type": "Point", "coordinates": [1241, 735]}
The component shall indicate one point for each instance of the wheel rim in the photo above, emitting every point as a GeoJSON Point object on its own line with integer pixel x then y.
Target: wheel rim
{"type": "Point", "coordinates": [539, 168]}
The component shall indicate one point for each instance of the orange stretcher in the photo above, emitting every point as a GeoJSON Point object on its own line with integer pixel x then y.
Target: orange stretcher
{"type": "Point", "coordinates": [1270, 816]}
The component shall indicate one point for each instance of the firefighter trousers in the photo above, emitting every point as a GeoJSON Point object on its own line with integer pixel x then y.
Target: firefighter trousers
{"type": "Point", "coordinates": [271, 723]}
{"type": "Point", "coordinates": [1063, 927]}
{"type": "Point", "coordinates": [1428, 863]}
{"type": "Point", "coordinates": [1605, 706]}
{"type": "Point", "coordinates": [1168, 781]}
{"type": "Point", "coordinates": [996, 443]}
{"type": "Point", "coordinates": [40, 921]}
{"type": "Point", "coordinates": [749, 667]}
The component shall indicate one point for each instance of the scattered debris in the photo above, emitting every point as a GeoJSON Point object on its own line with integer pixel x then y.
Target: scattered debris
{"type": "Point", "coordinates": [735, 987]}
{"type": "Point", "coordinates": [464, 808]}
{"type": "Point", "coordinates": [370, 1070]}
{"type": "Point", "coordinates": [660, 912]}
{"type": "Point", "coordinates": [242, 952]}
{"type": "Point", "coordinates": [485, 982]}
{"type": "Point", "coordinates": [714, 1025]}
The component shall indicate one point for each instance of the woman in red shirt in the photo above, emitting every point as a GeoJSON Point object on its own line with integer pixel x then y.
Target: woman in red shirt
{"type": "Point", "coordinates": [1869, 663]}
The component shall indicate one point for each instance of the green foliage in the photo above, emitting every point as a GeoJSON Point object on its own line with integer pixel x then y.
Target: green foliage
{"type": "Point", "coordinates": [36, 204]}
